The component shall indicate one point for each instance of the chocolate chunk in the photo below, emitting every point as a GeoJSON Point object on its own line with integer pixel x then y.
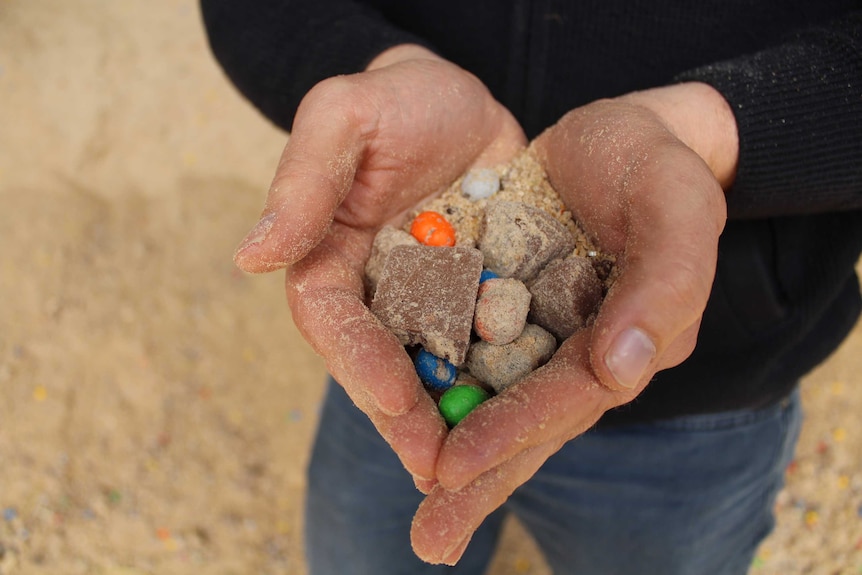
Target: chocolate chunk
{"type": "Point", "coordinates": [565, 295]}
{"type": "Point", "coordinates": [518, 240]}
{"type": "Point", "coordinates": [387, 238]}
{"type": "Point", "coordinates": [427, 295]}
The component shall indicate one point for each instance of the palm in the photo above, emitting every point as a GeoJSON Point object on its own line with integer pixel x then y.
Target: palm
{"type": "Point", "coordinates": [652, 202]}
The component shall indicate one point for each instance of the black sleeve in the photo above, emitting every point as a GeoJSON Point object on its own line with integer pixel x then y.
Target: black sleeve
{"type": "Point", "coordinates": [798, 108]}
{"type": "Point", "coordinates": [274, 51]}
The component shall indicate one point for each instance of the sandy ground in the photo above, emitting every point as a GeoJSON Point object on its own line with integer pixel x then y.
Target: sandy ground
{"type": "Point", "coordinates": [156, 406]}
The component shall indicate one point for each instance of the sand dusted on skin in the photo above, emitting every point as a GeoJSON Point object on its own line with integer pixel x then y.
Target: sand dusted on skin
{"type": "Point", "coordinates": [159, 406]}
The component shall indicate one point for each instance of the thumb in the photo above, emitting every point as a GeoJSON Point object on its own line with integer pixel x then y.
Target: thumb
{"type": "Point", "coordinates": [651, 314]}
{"type": "Point", "coordinates": [314, 174]}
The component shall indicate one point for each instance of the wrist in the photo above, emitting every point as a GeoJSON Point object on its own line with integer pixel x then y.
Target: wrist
{"type": "Point", "coordinates": [701, 118]}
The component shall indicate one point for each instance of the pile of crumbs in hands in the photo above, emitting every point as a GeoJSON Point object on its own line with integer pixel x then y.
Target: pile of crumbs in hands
{"type": "Point", "coordinates": [485, 282]}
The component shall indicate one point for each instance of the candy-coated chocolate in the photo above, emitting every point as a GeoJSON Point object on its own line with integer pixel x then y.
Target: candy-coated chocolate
{"type": "Point", "coordinates": [434, 372]}
{"type": "Point", "coordinates": [432, 229]}
{"type": "Point", "coordinates": [460, 400]}
{"type": "Point", "coordinates": [487, 275]}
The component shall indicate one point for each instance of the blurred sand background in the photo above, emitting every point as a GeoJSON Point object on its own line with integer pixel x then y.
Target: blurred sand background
{"type": "Point", "coordinates": [156, 405]}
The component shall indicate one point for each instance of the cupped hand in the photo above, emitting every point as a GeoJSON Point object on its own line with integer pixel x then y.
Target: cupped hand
{"type": "Point", "coordinates": [643, 174]}
{"type": "Point", "coordinates": [365, 149]}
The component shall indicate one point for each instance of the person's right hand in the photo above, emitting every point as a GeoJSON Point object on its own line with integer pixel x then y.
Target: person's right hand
{"type": "Point", "coordinates": [643, 174]}
{"type": "Point", "coordinates": [364, 150]}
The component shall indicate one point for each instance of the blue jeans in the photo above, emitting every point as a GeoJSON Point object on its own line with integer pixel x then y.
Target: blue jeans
{"type": "Point", "coordinates": [687, 496]}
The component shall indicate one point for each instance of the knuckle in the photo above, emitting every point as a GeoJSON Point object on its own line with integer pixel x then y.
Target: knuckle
{"type": "Point", "coordinates": [331, 92]}
{"type": "Point", "coordinates": [335, 99]}
{"type": "Point", "coordinates": [686, 288]}
{"type": "Point", "coordinates": [529, 420]}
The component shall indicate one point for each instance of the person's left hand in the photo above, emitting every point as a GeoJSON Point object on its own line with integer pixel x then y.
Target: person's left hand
{"type": "Point", "coordinates": [644, 175]}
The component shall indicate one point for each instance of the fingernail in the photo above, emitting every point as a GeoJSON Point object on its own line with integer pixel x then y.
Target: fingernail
{"type": "Point", "coordinates": [424, 485]}
{"type": "Point", "coordinates": [629, 356]}
{"type": "Point", "coordinates": [258, 232]}
{"type": "Point", "coordinates": [453, 553]}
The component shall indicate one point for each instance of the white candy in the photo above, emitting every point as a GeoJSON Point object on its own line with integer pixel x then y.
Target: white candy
{"type": "Point", "coordinates": [480, 184]}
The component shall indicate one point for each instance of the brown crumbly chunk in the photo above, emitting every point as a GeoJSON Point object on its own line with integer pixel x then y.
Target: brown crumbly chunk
{"type": "Point", "coordinates": [427, 295]}
{"type": "Point", "coordinates": [386, 239]}
{"type": "Point", "coordinates": [565, 296]}
{"type": "Point", "coordinates": [522, 180]}
{"type": "Point", "coordinates": [518, 240]}
{"type": "Point", "coordinates": [501, 310]}
{"type": "Point", "coordinates": [502, 365]}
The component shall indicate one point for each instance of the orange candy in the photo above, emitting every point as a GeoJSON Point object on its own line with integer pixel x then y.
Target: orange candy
{"type": "Point", "coordinates": [432, 229]}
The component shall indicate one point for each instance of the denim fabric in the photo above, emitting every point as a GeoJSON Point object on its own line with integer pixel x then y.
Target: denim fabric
{"type": "Point", "coordinates": [688, 496]}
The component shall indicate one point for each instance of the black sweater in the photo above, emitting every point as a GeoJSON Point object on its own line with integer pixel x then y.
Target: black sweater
{"type": "Point", "coordinates": [785, 293]}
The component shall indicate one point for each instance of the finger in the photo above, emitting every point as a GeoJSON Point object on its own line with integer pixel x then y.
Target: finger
{"type": "Point", "coordinates": [424, 485]}
{"type": "Point", "coordinates": [446, 520]}
{"type": "Point", "coordinates": [509, 141]}
{"type": "Point", "coordinates": [314, 174]}
{"type": "Point", "coordinates": [325, 294]}
{"type": "Point", "coordinates": [680, 348]}
{"type": "Point", "coordinates": [415, 436]}
{"type": "Point", "coordinates": [666, 272]}
{"type": "Point", "coordinates": [650, 200]}
{"type": "Point", "coordinates": [496, 458]}
{"type": "Point", "coordinates": [554, 403]}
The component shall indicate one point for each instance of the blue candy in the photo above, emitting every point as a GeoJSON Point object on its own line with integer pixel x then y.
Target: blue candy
{"type": "Point", "coordinates": [436, 373]}
{"type": "Point", "coordinates": [487, 275]}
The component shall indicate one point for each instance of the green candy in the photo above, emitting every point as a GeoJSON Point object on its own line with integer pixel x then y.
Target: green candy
{"type": "Point", "coordinates": [460, 400]}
